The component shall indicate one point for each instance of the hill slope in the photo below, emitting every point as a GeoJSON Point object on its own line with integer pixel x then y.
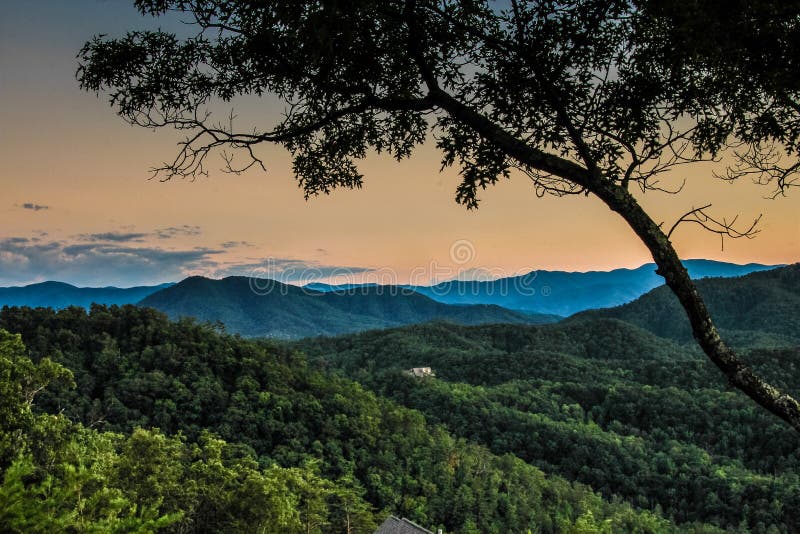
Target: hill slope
{"type": "Point", "coordinates": [59, 295]}
{"type": "Point", "coordinates": [265, 308]}
{"type": "Point", "coordinates": [599, 401]}
{"type": "Point", "coordinates": [494, 354]}
{"type": "Point", "coordinates": [744, 308]}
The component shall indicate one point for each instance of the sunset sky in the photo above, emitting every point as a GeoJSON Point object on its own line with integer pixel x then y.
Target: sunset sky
{"type": "Point", "coordinates": [77, 205]}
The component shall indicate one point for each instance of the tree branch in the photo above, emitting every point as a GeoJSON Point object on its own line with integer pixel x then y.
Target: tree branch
{"type": "Point", "coordinates": [619, 200]}
{"type": "Point", "coordinates": [189, 162]}
{"type": "Point", "coordinates": [723, 228]}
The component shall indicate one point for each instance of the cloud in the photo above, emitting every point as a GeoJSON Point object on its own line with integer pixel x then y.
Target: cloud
{"type": "Point", "coordinates": [117, 237]}
{"type": "Point", "coordinates": [17, 240]}
{"type": "Point", "coordinates": [129, 236]}
{"type": "Point", "coordinates": [116, 258]}
{"type": "Point", "coordinates": [174, 231]}
{"type": "Point", "coordinates": [293, 271]}
{"type": "Point", "coordinates": [24, 261]}
{"type": "Point", "coordinates": [235, 244]}
{"type": "Point", "coordinates": [33, 206]}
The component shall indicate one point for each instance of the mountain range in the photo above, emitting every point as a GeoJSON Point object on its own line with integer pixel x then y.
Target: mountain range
{"type": "Point", "coordinates": [266, 308]}
{"type": "Point", "coordinates": [618, 400]}
{"type": "Point", "coordinates": [565, 293]}
{"type": "Point", "coordinates": [256, 308]}
{"type": "Point", "coordinates": [755, 309]}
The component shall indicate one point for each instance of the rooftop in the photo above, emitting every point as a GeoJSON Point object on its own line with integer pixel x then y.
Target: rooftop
{"type": "Point", "coordinates": [394, 525]}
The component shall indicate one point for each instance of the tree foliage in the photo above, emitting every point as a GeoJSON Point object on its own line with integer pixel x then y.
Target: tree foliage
{"type": "Point", "coordinates": [58, 476]}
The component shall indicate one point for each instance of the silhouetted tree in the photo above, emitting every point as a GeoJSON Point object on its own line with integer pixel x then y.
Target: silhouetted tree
{"type": "Point", "coordinates": [583, 97]}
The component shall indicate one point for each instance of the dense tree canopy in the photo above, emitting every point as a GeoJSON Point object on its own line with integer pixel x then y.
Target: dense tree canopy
{"type": "Point", "coordinates": [584, 96]}
{"type": "Point", "coordinates": [602, 402]}
{"type": "Point", "coordinates": [59, 476]}
{"type": "Point", "coordinates": [302, 452]}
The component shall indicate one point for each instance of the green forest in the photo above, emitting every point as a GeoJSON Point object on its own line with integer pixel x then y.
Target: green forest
{"type": "Point", "coordinates": [119, 420]}
{"type": "Point", "coordinates": [601, 402]}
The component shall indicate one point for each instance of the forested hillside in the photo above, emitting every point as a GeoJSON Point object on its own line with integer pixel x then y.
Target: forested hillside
{"type": "Point", "coordinates": [756, 309]}
{"type": "Point", "coordinates": [603, 402]}
{"type": "Point", "coordinates": [266, 308]}
{"type": "Point", "coordinates": [328, 449]}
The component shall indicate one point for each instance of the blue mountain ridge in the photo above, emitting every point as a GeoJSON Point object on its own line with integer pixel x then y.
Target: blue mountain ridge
{"type": "Point", "coordinates": [562, 292]}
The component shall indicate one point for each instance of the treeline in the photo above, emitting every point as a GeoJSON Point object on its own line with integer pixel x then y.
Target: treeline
{"type": "Point", "coordinates": [601, 402]}
{"type": "Point", "coordinates": [173, 426]}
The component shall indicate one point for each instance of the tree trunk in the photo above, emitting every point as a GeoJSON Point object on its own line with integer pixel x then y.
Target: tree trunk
{"type": "Point", "coordinates": [670, 266]}
{"type": "Point", "coordinates": [703, 329]}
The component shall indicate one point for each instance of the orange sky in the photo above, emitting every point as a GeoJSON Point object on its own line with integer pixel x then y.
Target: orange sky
{"type": "Point", "coordinates": [66, 150]}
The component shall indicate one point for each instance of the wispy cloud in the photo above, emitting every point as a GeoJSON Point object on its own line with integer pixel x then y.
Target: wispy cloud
{"type": "Point", "coordinates": [175, 231]}
{"type": "Point", "coordinates": [116, 237]}
{"type": "Point", "coordinates": [17, 240]}
{"type": "Point", "coordinates": [127, 235]}
{"type": "Point", "coordinates": [236, 244]}
{"type": "Point", "coordinates": [33, 206]}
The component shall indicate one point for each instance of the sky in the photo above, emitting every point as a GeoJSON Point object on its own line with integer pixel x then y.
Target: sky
{"type": "Point", "coordinates": [77, 204]}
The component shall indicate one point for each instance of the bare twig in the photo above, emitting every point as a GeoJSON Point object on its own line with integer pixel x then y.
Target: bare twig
{"type": "Point", "coordinates": [765, 165]}
{"type": "Point", "coordinates": [723, 228]}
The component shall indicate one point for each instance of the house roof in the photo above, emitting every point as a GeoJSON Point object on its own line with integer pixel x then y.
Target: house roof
{"type": "Point", "coordinates": [394, 525]}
